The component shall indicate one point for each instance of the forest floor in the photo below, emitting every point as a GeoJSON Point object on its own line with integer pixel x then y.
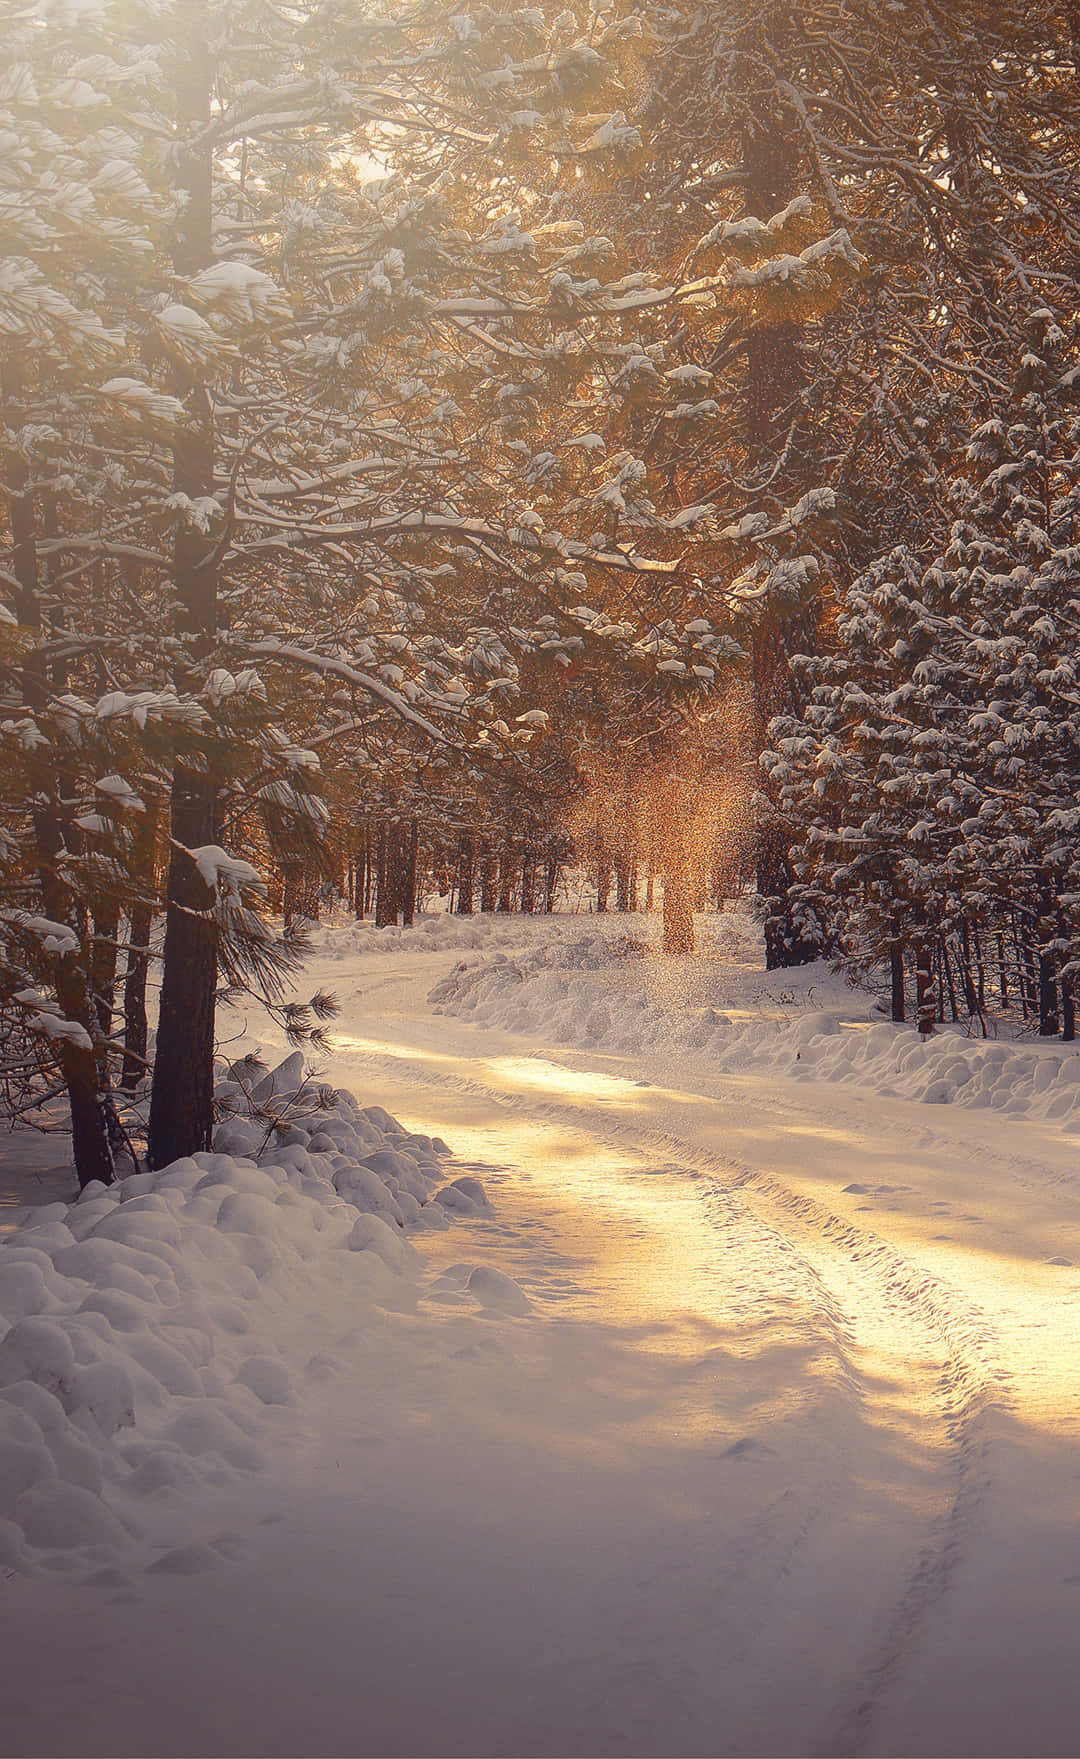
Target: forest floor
{"type": "Point", "coordinates": [742, 1420]}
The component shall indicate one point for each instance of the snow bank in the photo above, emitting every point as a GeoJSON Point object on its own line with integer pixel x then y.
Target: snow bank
{"type": "Point", "coordinates": [599, 992]}
{"type": "Point", "coordinates": [434, 933]}
{"type": "Point", "coordinates": [154, 1336]}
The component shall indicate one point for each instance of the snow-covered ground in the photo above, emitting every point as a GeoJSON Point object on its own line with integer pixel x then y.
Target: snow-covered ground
{"type": "Point", "coordinates": [735, 1410]}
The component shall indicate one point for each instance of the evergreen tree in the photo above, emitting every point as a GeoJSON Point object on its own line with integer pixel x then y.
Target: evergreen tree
{"type": "Point", "coordinates": [942, 142]}
{"type": "Point", "coordinates": [932, 776]}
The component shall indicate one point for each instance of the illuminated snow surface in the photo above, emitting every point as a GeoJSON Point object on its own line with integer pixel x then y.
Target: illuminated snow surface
{"type": "Point", "coordinates": [720, 1394]}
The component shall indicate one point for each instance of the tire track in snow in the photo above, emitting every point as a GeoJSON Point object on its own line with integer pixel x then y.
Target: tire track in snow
{"type": "Point", "coordinates": [833, 1251]}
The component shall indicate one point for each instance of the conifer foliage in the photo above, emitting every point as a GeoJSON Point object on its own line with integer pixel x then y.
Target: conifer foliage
{"type": "Point", "coordinates": [275, 329]}
{"type": "Point", "coordinates": [402, 412]}
{"type": "Point", "coordinates": [931, 781]}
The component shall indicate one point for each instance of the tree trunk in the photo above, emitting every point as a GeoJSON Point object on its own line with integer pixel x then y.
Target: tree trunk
{"type": "Point", "coordinates": [135, 1024]}
{"type": "Point", "coordinates": [181, 1101]}
{"type": "Point", "coordinates": [182, 1094]}
{"type": "Point", "coordinates": [972, 999]}
{"type": "Point", "coordinates": [363, 889]}
{"type": "Point", "coordinates": [946, 967]}
{"type": "Point", "coordinates": [408, 883]}
{"type": "Point", "coordinates": [489, 882]}
{"type": "Point", "coordinates": [551, 880]}
{"type": "Point", "coordinates": [79, 1064]}
{"type": "Point", "coordinates": [507, 873]}
{"type": "Point", "coordinates": [786, 942]}
{"type": "Point", "coordinates": [924, 989]}
{"type": "Point", "coordinates": [466, 881]}
{"type": "Point", "coordinates": [1049, 1016]}
{"type": "Point", "coordinates": [528, 878]}
{"type": "Point", "coordinates": [896, 978]}
{"type": "Point", "coordinates": [774, 377]}
{"type": "Point", "coordinates": [106, 928]}
{"type": "Point", "coordinates": [397, 875]}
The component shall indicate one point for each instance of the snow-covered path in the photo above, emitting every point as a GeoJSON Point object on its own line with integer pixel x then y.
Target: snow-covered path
{"type": "Point", "coordinates": [782, 1459]}
{"type": "Point", "coordinates": [898, 1288]}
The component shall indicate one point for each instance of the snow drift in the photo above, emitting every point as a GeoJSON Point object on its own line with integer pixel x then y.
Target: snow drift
{"type": "Point", "coordinates": [600, 990]}
{"type": "Point", "coordinates": [154, 1335]}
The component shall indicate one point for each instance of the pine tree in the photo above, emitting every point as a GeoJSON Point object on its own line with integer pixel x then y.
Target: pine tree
{"type": "Point", "coordinates": [931, 778]}
{"type": "Point", "coordinates": [293, 446]}
{"type": "Point", "coordinates": [942, 142]}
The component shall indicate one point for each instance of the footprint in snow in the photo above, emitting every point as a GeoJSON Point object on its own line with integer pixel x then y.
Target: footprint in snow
{"type": "Point", "coordinates": [1064, 1261]}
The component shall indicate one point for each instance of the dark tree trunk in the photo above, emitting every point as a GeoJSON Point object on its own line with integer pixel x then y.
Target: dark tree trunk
{"type": "Point", "coordinates": [1026, 973]}
{"type": "Point", "coordinates": [1049, 1014]}
{"type": "Point", "coordinates": [135, 1024]}
{"type": "Point", "coordinates": [106, 928]}
{"type": "Point", "coordinates": [181, 1102]}
{"type": "Point", "coordinates": [489, 881]}
{"type": "Point", "coordinates": [946, 971]}
{"type": "Point", "coordinates": [972, 998]}
{"type": "Point", "coordinates": [396, 897]}
{"type": "Point", "coordinates": [182, 1095]}
{"type": "Point", "coordinates": [774, 377]}
{"type": "Point", "coordinates": [408, 884]}
{"type": "Point", "coordinates": [80, 1064]}
{"type": "Point", "coordinates": [528, 879]}
{"type": "Point", "coordinates": [370, 876]}
{"type": "Point", "coordinates": [924, 989]}
{"type": "Point", "coordinates": [466, 880]}
{"type": "Point", "coordinates": [980, 968]}
{"type": "Point", "coordinates": [1068, 1011]}
{"type": "Point", "coordinates": [551, 880]}
{"type": "Point", "coordinates": [896, 980]}
{"type": "Point", "coordinates": [385, 903]}
{"type": "Point", "coordinates": [383, 914]}
{"type": "Point", "coordinates": [360, 872]}
{"type": "Point", "coordinates": [1049, 1017]}
{"type": "Point", "coordinates": [787, 943]}
{"type": "Point", "coordinates": [507, 875]}
{"type": "Point", "coordinates": [603, 883]}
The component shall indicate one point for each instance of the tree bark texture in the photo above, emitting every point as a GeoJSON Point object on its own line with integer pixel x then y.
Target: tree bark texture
{"type": "Point", "coordinates": [181, 1105]}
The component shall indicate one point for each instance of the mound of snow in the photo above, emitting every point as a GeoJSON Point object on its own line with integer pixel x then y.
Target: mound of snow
{"type": "Point", "coordinates": [150, 1332]}
{"type": "Point", "coordinates": [583, 991]}
{"type": "Point", "coordinates": [432, 933]}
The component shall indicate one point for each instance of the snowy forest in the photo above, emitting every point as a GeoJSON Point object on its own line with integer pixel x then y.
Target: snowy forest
{"type": "Point", "coordinates": [440, 449]}
{"type": "Point", "coordinates": [539, 732]}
